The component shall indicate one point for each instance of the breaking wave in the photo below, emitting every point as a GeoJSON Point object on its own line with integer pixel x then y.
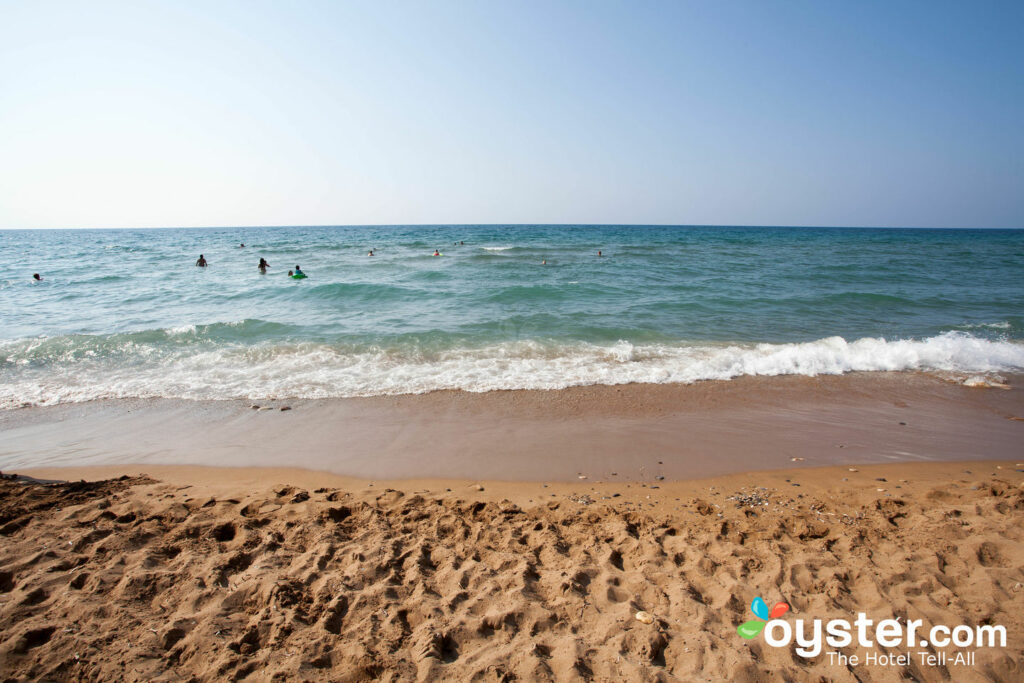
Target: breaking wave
{"type": "Point", "coordinates": [249, 359]}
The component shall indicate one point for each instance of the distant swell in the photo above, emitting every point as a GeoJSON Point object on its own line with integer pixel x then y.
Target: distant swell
{"type": "Point", "coordinates": [198, 363]}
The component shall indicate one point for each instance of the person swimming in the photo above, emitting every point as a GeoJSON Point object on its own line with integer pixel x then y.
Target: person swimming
{"type": "Point", "coordinates": [599, 252]}
{"type": "Point", "coordinates": [201, 262]}
{"type": "Point", "coordinates": [371, 253]}
{"type": "Point", "coordinates": [298, 271]}
{"type": "Point", "coordinates": [242, 245]}
{"type": "Point", "coordinates": [37, 277]}
{"type": "Point", "coordinates": [263, 265]}
{"type": "Point", "coordinates": [437, 253]}
{"type": "Point", "coordinates": [544, 262]}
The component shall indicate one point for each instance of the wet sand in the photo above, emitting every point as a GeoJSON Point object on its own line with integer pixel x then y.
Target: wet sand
{"type": "Point", "coordinates": [632, 432]}
{"type": "Point", "coordinates": [186, 573]}
{"type": "Point", "coordinates": [626, 433]}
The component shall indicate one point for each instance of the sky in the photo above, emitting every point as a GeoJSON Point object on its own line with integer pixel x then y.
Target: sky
{"type": "Point", "coordinates": [217, 113]}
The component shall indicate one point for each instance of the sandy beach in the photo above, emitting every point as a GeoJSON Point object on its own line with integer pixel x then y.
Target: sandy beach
{"type": "Point", "coordinates": [562, 516]}
{"type": "Point", "coordinates": [185, 573]}
{"type": "Point", "coordinates": [512, 536]}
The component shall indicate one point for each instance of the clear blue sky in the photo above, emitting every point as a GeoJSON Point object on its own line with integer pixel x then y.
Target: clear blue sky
{"type": "Point", "coordinates": [116, 114]}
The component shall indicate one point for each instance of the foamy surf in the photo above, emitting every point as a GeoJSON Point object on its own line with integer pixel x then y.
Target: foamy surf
{"type": "Point", "coordinates": [84, 368]}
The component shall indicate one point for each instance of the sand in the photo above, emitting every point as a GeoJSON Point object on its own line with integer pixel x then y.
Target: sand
{"type": "Point", "coordinates": [179, 573]}
{"type": "Point", "coordinates": [636, 431]}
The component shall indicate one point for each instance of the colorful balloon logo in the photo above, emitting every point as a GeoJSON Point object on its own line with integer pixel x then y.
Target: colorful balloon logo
{"type": "Point", "coordinates": [750, 629]}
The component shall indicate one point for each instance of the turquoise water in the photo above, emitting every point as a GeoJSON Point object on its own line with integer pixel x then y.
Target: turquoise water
{"type": "Point", "coordinates": [124, 313]}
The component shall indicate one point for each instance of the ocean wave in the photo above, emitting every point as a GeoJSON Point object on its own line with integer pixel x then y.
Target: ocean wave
{"type": "Point", "coordinates": [363, 292]}
{"type": "Point", "coordinates": [1003, 325]}
{"type": "Point", "coordinates": [64, 353]}
{"type": "Point", "coordinates": [540, 293]}
{"type": "Point", "coordinates": [73, 369]}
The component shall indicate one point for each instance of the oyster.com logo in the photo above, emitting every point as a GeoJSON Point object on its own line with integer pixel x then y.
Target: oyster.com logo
{"type": "Point", "coordinates": [751, 629]}
{"type": "Point", "coordinates": [818, 636]}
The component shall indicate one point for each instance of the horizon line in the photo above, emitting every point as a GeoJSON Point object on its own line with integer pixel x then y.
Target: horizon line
{"type": "Point", "coordinates": [514, 225]}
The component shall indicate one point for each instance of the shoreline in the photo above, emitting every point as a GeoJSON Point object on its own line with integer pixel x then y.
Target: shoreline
{"type": "Point", "coordinates": [605, 433]}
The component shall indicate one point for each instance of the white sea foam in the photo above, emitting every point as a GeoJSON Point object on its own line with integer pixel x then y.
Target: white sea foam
{"type": "Point", "coordinates": [495, 248]}
{"type": "Point", "coordinates": [310, 370]}
{"type": "Point", "coordinates": [1004, 325]}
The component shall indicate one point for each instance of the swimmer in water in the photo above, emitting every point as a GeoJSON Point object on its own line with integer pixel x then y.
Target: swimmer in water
{"type": "Point", "coordinates": [201, 262]}
{"type": "Point", "coordinates": [544, 262]}
{"type": "Point", "coordinates": [298, 271]}
{"type": "Point", "coordinates": [289, 273]}
{"type": "Point", "coordinates": [371, 253]}
{"type": "Point", "coordinates": [37, 277]}
{"type": "Point", "coordinates": [437, 253]}
{"type": "Point", "coordinates": [599, 252]}
{"type": "Point", "coordinates": [242, 245]}
{"type": "Point", "coordinates": [263, 265]}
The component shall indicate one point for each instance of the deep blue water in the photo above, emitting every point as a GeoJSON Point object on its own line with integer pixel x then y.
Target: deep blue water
{"type": "Point", "coordinates": [126, 313]}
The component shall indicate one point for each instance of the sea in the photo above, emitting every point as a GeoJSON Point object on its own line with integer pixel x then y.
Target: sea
{"type": "Point", "coordinates": [126, 313]}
